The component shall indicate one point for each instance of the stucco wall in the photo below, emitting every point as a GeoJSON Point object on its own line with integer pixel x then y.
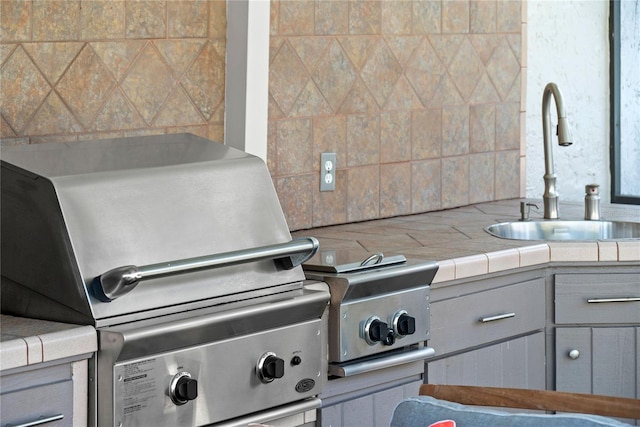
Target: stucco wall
{"type": "Point", "coordinates": [568, 45]}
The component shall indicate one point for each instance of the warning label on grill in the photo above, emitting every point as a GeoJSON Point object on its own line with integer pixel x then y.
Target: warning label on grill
{"type": "Point", "coordinates": [137, 386]}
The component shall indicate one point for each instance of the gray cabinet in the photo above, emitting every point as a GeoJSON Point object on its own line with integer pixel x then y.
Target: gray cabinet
{"type": "Point", "coordinates": [489, 332]}
{"type": "Point", "coordinates": [597, 334]}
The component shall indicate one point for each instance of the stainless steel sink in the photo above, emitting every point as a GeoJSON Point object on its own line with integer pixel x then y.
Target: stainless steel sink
{"type": "Point", "coordinates": [565, 230]}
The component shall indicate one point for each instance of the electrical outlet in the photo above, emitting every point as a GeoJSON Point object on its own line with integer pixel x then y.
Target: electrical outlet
{"type": "Point", "coordinates": [327, 171]}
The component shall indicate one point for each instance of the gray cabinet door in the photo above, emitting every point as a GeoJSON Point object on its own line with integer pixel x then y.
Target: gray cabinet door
{"type": "Point", "coordinates": [598, 360]}
{"type": "Point", "coordinates": [518, 363]}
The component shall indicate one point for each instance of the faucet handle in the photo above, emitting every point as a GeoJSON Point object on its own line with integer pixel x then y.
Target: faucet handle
{"type": "Point", "coordinates": [525, 207]}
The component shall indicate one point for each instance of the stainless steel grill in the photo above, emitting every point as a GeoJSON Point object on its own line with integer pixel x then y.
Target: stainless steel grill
{"type": "Point", "coordinates": [176, 249]}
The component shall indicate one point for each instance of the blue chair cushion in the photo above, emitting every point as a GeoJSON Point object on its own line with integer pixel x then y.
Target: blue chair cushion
{"type": "Point", "coordinates": [422, 411]}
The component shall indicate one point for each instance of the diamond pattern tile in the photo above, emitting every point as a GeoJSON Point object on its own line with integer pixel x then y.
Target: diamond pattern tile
{"type": "Point", "coordinates": [53, 58]}
{"type": "Point", "coordinates": [148, 83]}
{"type": "Point", "coordinates": [310, 49]}
{"type": "Point", "coordinates": [118, 56]}
{"type": "Point", "coordinates": [287, 78]}
{"type": "Point", "coordinates": [380, 73]}
{"type": "Point", "coordinates": [178, 110]}
{"type": "Point", "coordinates": [358, 48]}
{"type": "Point", "coordinates": [204, 81]}
{"type": "Point", "coordinates": [85, 86]}
{"type": "Point", "coordinates": [334, 75]}
{"type": "Point", "coordinates": [53, 117]}
{"type": "Point", "coordinates": [21, 80]}
{"type": "Point", "coordinates": [118, 110]}
{"type": "Point", "coordinates": [424, 72]}
{"type": "Point", "coordinates": [466, 69]}
{"type": "Point", "coordinates": [179, 54]}
{"type": "Point", "coordinates": [503, 68]}
{"type": "Point", "coordinates": [403, 47]}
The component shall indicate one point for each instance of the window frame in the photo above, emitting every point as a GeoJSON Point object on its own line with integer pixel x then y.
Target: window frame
{"type": "Point", "coordinates": [614, 83]}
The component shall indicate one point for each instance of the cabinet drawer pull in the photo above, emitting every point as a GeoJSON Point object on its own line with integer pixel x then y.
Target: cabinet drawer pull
{"type": "Point", "coordinates": [38, 422]}
{"type": "Point", "coordinates": [624, 299]}
{"type": "Point", "coordinates": [497, 317]}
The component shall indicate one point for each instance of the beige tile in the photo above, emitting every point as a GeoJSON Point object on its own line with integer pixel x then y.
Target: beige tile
{"type": "Point", "coordinates": [295, 195]}
{"type": "Point", "coordinates": [359, 100]}
{"type": "Point", "coordinates": [473, 265]}
{"type": "Point", "coordinates": [481, 177]}
{"type": "Point", "coordinates": [296, 17]}
{"type": "Point", "coordinates": [507, 174]}
{"type": "Point", "coordinates": [380, 73]}
{"type": "Point", "coordinates": [14, 353]}
{"type": "Point", "coordinates": [425, 71]}
{"type": "Point", "coordinates": [15, 20]}
{"type": "Point", "coordinates": [53, 117]}
{"type": "Point", "coordinates": [426, 134]}
{"type": "Point", "coordinates": [187, 18]}
{"type": "Point", "coordinates": [534, 255]}
{"type": "Point", "coordinates": [426, 186]}
{"type": "Point", "coordinates": [482, 125]}
{"type": "Point", "coordinates": [426, 17]}
{"type": "Point", "coordinates": [466, 68]}
{"type": "Point", "coordinates": [331, 17]}
{"type": "Point", "coordinates": [573, 251]}
{"type": "Point", "coordinates": [365, 17]}
{"type": "Point", "coordinates": [396, 17]}
{"type": "Point", "coordinates": [629, 251]}
{"type": "Point", "coordinates": [446, 271]}
{"type": "Point", "coordinates": [482, 16]}
{"type": "Point", "coordinates": [145, 19]}
{"type": "Point", "coordinates": [395, 189]}
{"type": "Point", "coordinates": [455, 16]}
{"type": "Point", "coordinates": [287, 78]}
{"type": "Point", "coordinates": [507, 126]}
{"type": "Point", "coordinates": [294, 146]}
{"type": "Point", "coordinates": [523, 177]}
{"type": "Point", "coordinates": [503, 68]}
{"type": "Point", "coordinates": [455, 130]}
{"type": "Point", "coordinates": [363, 189]}
{"type": "Point", "coordinates": [503, 260]}
{"type": "Point", "coordinates": [455, 181]}
{"type": "Point", "coordinates": [524, 49]}
{"type": "Point", "coordinates": [218, 19]}
{"type": "Point", "coordinates": [363, 143]}
{"type": "Point", "coordinates": [607, 251]}
{"type": "Point", "coordinates": [395, 136]}
{"type": "Point", "coordinates": [58, 345]}
{"type": "Point", "coordinates": [56, 20]}
{"type": "Point", "coordinates": [509, 16]}
{"type": "Point", "coordinates": [102, 19]}
{"type": "Point", "coordinates": [53, 58]}
{"type": "Point", "coordinates": [22, 83]}
{"type": "Point", "coordinates": [334, 75]}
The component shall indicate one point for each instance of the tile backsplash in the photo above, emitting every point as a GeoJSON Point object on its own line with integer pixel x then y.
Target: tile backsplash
{"type": "Point", "coordinates": [421, 101]}
{"type": "Point", "coordinates": [92, 69]}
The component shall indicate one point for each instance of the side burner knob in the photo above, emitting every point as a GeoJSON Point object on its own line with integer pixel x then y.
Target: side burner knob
{"type": "Point", "coordinates": [406, 325]}
{"type": "Point", "coordinates": [183, 388]}
{"type": "Point", "coordinates": [375, 330]}
{"type": "Point", "coordinates": [403, 324]}
{"type": "Point", "coordinates": [270, 367]}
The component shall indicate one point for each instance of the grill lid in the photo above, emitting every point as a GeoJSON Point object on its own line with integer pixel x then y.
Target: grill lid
{"type": "Point", "coordinates": [73, 211]}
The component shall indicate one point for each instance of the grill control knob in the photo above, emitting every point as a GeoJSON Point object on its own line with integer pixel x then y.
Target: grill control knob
{"type": "Point", "coordinates": [375, 330]}
{"type": "Point", "coordinates": [403, 324]}
{"type": "Point", "coordinates": [270, 367]}
{"type": "Point", "coordinates": [183, 388]}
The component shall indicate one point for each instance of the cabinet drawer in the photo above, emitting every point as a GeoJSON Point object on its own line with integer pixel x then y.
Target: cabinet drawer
{"type": "Point", "coordinates": [487, 316]}
{"type": "Point", "coordinates": [597, 298]}
{"type": "Point", "coordinates": [51, 401]}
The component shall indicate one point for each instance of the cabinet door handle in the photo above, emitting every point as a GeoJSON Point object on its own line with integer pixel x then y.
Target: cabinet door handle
{"type": "Point", "coordinates": [497, 317]}
{"type": "Point", "coordinates": [623, 299]}
{"type": "Point", "coordinates": [38, 422]}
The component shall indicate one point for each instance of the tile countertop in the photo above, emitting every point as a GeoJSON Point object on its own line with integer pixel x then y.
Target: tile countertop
{"type": "Point", "coordinates": [26, 342]}
{"type": "Point", "coordinates": [457, 240]}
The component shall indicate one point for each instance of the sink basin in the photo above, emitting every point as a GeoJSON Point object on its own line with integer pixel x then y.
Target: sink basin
{"type": "Point", "coordinates": [565, 230]}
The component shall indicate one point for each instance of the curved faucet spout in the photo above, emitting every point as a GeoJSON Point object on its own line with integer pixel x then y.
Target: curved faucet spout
{"type": "Point", "coordinates": [550, 196]}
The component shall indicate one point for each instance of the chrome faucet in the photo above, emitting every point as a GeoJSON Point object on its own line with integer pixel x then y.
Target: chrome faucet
{"type": "Point", "coordinates": [550, 196]}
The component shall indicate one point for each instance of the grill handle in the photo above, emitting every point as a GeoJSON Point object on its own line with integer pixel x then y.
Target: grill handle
{"type": "Point", "coordinates": [121, 280]}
